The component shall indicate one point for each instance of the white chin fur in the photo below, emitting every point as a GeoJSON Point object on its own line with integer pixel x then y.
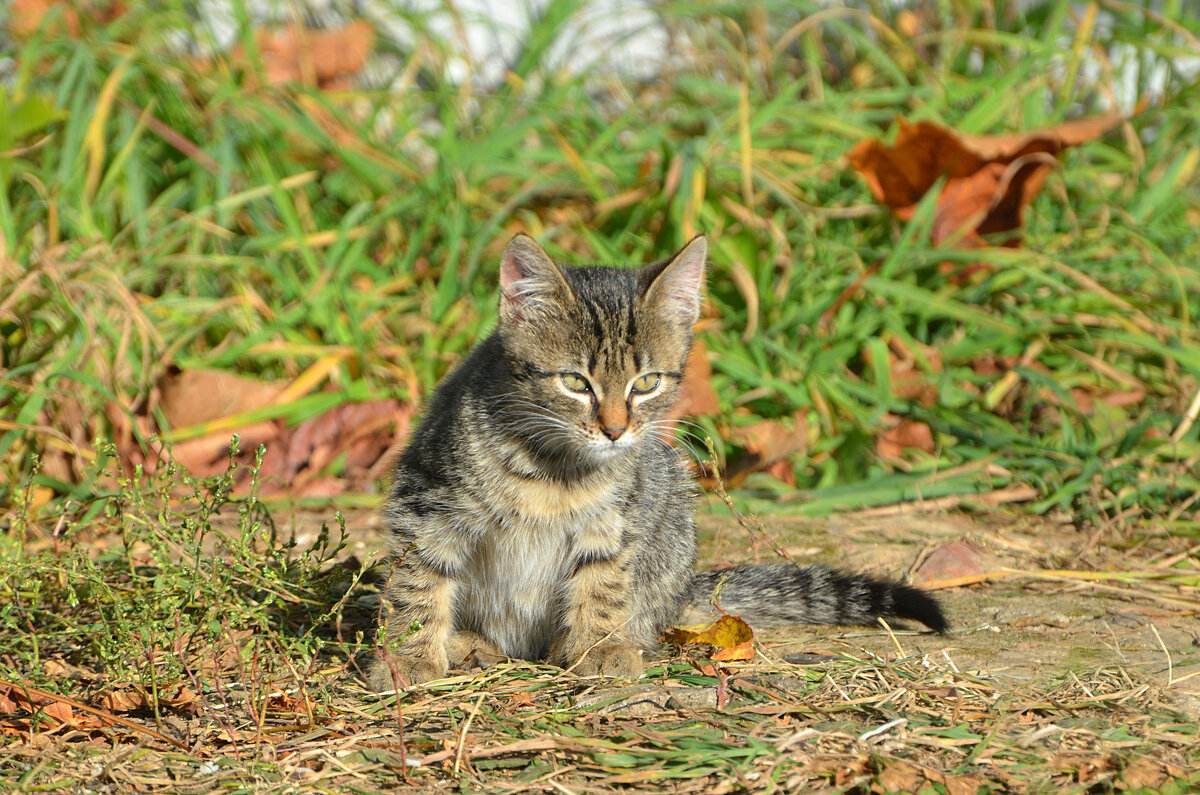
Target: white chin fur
{"type": "Point", "coordinates": [603, 449]}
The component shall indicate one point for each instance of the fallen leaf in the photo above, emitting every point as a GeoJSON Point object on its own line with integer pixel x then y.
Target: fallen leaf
{"type": "Point", "coordinates": [133, 698]}
{"type": "Point", "coordinates": [321, 58]}
{"type": "Point", "coordinates": [899, 776]}
{"type": "Point", "coordinates": [903, 435]}
{"type": "Point", "coordinates": [283, 703]}
{"type": "Point", "coordinates": [361, 435]}
{"type": "Point", "coordinates": [17, 699]}
{"type": "Point", "coordinates": [26, 16]}
{"type": "Point", "coordinates": [908, 380]}
{"type": "Point", "coordinates": [696, 394]}
{"type": "Point", "coordinates": [727, 632]}
{"type": "Point", "coordinates": [767, 443]}
{"type": "Point", "coordinates": [193, 397]}
{"type": "Point", "coordinates": [1133, 397]}
{"type": "Point", "coordinates": [952, 559]}
{"type": "Point", "coordinates": [989, 178]}
{"type": "Point", "coordinates": [1145, 773]}
{"type": "Point", "coordinates": [742, 651]}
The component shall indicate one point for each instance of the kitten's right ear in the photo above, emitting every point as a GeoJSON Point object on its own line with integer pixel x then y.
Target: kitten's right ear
{"type": "Point", "coordinates": [529, 279]}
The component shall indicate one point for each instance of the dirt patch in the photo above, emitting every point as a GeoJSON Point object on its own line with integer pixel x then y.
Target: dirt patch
{"type": "Point", "coordinates": [1049, 604]}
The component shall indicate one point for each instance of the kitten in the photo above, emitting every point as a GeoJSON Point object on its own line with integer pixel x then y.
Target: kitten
{"type": "Point", "coordinates": [537, 512]}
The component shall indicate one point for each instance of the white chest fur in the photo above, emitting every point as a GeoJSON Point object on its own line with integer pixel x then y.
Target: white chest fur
{"type": "Point", "coordinates": [513, 587]}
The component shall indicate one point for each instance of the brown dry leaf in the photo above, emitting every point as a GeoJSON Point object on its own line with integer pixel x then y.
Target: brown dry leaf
{"type": "Point", "coordinates": [904, 434]}
{"type": "Point", "coordinates": [7, 705]}
{"type": "Point", "coordinates": [364, 432]}
{"type": "Point", "coordinates": [909, 382]}
{"type": "Point", "coordinates": [952, 559]}
{"type": "Point", "coordinates": [129, 700]}
{"type": "Point", "coordinates": [290, 705]}
{"type": "Point", "coordinates": [209, 455]}
{"type": "Point", "coordinates": [768, 443]}
{"type": "Point", "coordinates": [696, 394]}
{"type": "Point", "coordinates": [1132, 397]}
{"type": "Point", "coordinates": [25, 16]}
{"type": "Point", "coordinates": [899, 776]}
{"type": "Point", "coordinates": [1145, 773]}
{"type": "Point", "coordinates": [989, 178]}
{"type": "Point", "coordinates": [134, 698]}
{"type": "Point", "coordinates": [321, 58]}
{"type": "Point", "coordinates": [904, 776]}
{"type": "Point", "coordinates": [192, 397]}
{"type": "Point", "coordinates": [727, 632]}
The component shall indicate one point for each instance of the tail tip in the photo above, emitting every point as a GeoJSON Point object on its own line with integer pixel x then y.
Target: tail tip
{"type": "Point", "coordinates": [919, 605]}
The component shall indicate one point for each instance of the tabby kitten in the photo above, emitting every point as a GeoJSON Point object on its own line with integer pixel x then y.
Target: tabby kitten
{"type": "Point", "coordinates": [538, 514]}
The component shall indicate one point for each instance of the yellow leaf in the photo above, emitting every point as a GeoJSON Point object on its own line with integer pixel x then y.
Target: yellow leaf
{"type": "Point", "coordinates": [726, 632]}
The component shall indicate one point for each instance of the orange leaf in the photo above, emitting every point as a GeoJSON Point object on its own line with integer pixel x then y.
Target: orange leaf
{"type": "Point", "coordinates": [742, 651]}
{"type": "Point", "coordinates": [696, 393]}
{"type": "Point", "coordinates": [25, 16]}
{"type": "Point", "coordinates": [989, 178]}
{"type": "Point", "coordinates": [906, 433]}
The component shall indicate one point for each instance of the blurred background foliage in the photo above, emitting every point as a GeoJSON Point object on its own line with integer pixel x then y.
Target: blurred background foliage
{"type": "Point", "coordinates": [173, 202]}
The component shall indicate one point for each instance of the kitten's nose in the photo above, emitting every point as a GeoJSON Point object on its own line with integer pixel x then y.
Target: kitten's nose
{"type": "Point", "coordinates": [613, 433]}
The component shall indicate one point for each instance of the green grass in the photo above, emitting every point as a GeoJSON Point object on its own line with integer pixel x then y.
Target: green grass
{"type": "Point", "coordinates": [294, 224]}
{"type": "Point", "coordinates": [153, 215]}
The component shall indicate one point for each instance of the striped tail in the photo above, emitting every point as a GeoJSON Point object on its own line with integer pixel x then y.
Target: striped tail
{"type": "Point", "coordinates": [776, 594]}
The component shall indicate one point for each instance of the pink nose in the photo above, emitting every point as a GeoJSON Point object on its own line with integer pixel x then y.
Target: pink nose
{"type": "Point", "coordinates": [613, 433]}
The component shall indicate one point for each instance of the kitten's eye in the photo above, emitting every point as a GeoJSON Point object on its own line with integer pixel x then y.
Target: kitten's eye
{"type": "Point", "coordinates": [575, 382]}
{"type": "Point", "coordinates": [645, 383]}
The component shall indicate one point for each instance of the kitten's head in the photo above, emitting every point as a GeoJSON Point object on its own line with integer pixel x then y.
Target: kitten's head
{"type": "Point", "coordinates": [597, 353]}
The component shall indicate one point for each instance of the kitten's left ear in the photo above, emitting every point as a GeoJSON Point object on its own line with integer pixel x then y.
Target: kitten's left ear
{"type": "Point", "coordinates": [675, 285]}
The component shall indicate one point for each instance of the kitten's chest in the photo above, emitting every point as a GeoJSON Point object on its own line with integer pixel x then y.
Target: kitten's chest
{"type": "Point", "coordinates": [516, 582]}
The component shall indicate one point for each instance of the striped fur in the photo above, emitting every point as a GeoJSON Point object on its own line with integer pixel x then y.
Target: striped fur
{"type": "Point", "coordinates": [536, 519]}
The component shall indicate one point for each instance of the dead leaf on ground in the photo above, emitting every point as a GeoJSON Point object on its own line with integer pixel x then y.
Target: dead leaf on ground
{"type": "Point", "coordinates": [40, 708]}
{"type": "Point", "coordinates": [730, 634]}
{"type": "Point", "coordinates": [133, 698]}
{"type": "Point", "coordinates": [901, 775]}
{"type": "Point", "coordinates": [989, 178]}
{"type": "Point", "coordinates": [768, 444]}
{"type": "Point", "coordinates": [360, 436]}
{"type": "Point", "coordinates": [696, 394]}
{"type": "Point", "coordinates": [194, 397]}
{"type": "Point", "coordinates": [323, 59]}
{"type": "Point", "coordinates": [909, 381]}
{"type": "Point", "coordinates": [905, 434]}
{"type": "Point", "coordinates": [26, 16]}
{"type": "Point", "coordinates": [952, 559]}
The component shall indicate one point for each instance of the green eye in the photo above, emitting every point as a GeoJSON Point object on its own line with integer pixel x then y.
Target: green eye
{"type": "Point", "coordinates": [645, 383]}
{"type": "Point", "coordinates": [575, 382]}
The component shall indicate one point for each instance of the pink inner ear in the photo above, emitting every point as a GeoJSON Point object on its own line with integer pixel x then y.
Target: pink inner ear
{"type": "Point", "coordinates": [527, 278]}
{"type": "Point", "coordinates": [510, 274]}
{"type": "Point", "coordinates": [678, 286]}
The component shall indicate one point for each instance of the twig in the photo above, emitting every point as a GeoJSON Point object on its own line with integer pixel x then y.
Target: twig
{"type": "Point", "coordinates": [1189, 417]}
{"type": "Point", "coordinates": [1163, 646]}
{"type": "Point", "coordinates": [892, 635]}
{"type": "Point", "coordinates": [1021, 493]}
{"type": "Point", "coordinates": [462, 735]}
{"type": "Point", "coordinates": [100, 713]}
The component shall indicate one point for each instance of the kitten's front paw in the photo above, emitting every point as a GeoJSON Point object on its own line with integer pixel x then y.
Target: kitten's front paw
{"type": "Point", "coordinates": [618, 660]}
{"type": "Point", "coordinates": [393, 672]}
